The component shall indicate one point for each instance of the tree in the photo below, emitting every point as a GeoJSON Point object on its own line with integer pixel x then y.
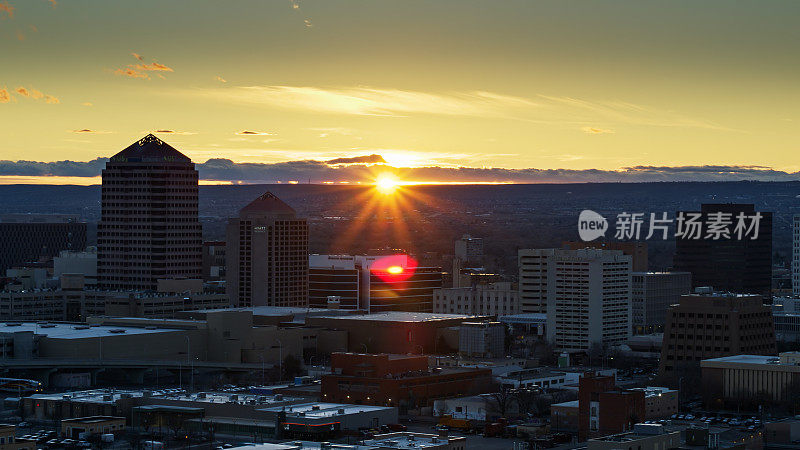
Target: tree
{"type": "Point", "coordinates": [526, 400]}
{"type": "Point", "coordinates": [501, 400]}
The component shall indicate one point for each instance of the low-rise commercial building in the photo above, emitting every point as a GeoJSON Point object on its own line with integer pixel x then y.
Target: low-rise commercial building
{"type": "Point", "coordinates": [75, 428]}
{"type": "Point", "coordinates": [10, 441]}
{"type": "Point", "coordinates": [482, 339]}
{"type": "Point", "coordinates": [748, 381]}
{"type": "Point", "coordinates": [643, 437]}
{"type": "Point", "coordinates": [397, 380]}
{"type": "Point", "coordinates": [605, 409]}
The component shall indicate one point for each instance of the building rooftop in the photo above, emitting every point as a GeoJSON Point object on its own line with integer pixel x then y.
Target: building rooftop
{"type": "Point", "coordinates": [150, 149]}
{"type": "Point", "coordinates": [404, 440]}
{"type": "Point", "coordinates": [76, 331]}
{"type": "Point", "coordinates": [319, 410]}
{"type": "Point", "coordinates": [744, 359]}
{"type": "Point", "coordinates": [402, 316]}
{"type": "Point", "coordinates": [267, 203]}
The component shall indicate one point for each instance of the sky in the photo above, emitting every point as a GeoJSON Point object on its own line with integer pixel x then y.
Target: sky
{"type": "Point", "coordinates": [440, 90]}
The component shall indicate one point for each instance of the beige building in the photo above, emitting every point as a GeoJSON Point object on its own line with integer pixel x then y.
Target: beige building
{"type": "Point", "coordinates": [495, 299]}
{"type": "Point", "coordinates": [73, 428]}
{"type": "Point", "coordinates": [744, 379]}
{"type": "Point", "coordinates": [713, 325]}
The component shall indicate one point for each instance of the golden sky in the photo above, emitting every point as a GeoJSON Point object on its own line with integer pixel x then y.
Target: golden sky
{"type": "Point", "coordinates": [561, 84]}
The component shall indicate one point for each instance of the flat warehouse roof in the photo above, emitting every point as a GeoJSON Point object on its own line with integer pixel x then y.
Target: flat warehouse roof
{"type": "Point", "coordinates": [76, 331]}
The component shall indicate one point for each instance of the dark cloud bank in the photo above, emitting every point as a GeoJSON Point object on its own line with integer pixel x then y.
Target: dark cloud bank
{"type": "Point", "coordinates": [364, 168]}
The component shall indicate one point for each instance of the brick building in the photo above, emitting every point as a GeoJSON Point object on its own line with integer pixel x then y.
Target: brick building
{"type": "Point", "coordinates": [397, 380]}
{"type": "Point", "coordinates": [605, 409]}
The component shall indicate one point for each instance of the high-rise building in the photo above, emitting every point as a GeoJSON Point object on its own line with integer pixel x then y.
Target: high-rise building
{"type": "Point", "coordinates": [651, 294]}
{"type": "Point", "coordinates": [470, 249]}
{"type": "Point", "coordinates": [149, 228]}
{"type": "Point", "coordinates": [588, 299]}
{"type": "Point", "coordinates": [267, 255]}
{"type": "Point", "coordinates": [585, 293]}
{"type": "Point", "coordinates": [495, 299]}
{"type": "Point", "coordinates": [712, 325]}
{"type": "Point", "coordinates": [729, 264]}
{"type": "Point", "coordinates": [29, 238]}
{"type": "Point", "coordinates": [374, 283]}
{"type": "Point", "coordinates": [796, 255]}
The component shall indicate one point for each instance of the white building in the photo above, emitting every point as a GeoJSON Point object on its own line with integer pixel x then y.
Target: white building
{"type": "Point", "coordinates": [586, 294]}
{"type": "Point", "coordinates": [495, 299]}
{"type": "Point", "coordinates": [796, 255]}
{"type": "Point", "coordinates": [651, 294]}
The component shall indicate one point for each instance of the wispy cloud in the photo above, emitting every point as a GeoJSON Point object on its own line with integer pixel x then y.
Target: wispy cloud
{"type": "Point", "coordinates": [6, 8]}
{"type": "Point", "coordinates": [595, 130]}
{"type": "Point", "coordinates": [220, 79]}
{"type": "Point", "coordinates": [36, 95]}
{"type": "Point", "coordinates": [139, 70]}
{"type": "Point", "coordinates": [373, 101]}
{"type": "Point", "coordinates": [295, 4]}
{"type": "Point", "coordinates": [89, 131]}
{"type": "Point", "coordinates": [168, 131]}
{"type": "Point", "coordinates": [254, 133]}
{"type": "Point", "coordinates": [5, 97]}
{"type": "Point", "coordinates": [365, 159]}
{"type": "Point", "coordinates": [307, 23]}
{"type": "Point", "coordinates": [87, 104]}
{"type": "Point", "coordinates": [53, 3]}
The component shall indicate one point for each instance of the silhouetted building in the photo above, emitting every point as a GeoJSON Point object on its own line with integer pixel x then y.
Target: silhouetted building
{"type": "Point", "coordinates": [728, 263]}
{"type": "Point", "coordinates": [605, 409]}
{"type": "Point", "coordinates": [267, 255]}
{"type": "Point", "coordinates": [651, 294]}
{"type": "Point", "coordinates": [149, 228]}
{"type": "Point", "coordinates": [26, 238]}
{"type": "Point", "coordinates": [796, 254]}
{"type": "Point", "coordinates": [712, 325]}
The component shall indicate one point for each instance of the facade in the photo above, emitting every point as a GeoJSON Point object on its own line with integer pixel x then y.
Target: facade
{"type": "Point", "coordinates": [714, 325]}
{"type": "Point", "coordinates": [77, 305]}
{"type": "Point", "coordinates": [74, 428]}
{"type": "Point", "coordinates": [748, 380]}
{"type": "Point", "coordinates": [482, 339]}
{"type": "Point", "coordinates": [319, 419]}
{"type": "Point", "coordinates": [496, 299]}
{"type": "Point", "coordinates": [149, 228]}
{"type": "Point", "coordinates": [651, 294]}
{"type": "Point", "coordinates": [397, 380]}
{"type": "Point", "coordinates": [10, 441]}
{"type": "Point", "coordinates": [26, 238]}
{"type": "Point", "coordinates": [796, 254]}
{"type": "Point", "coordinates": [728, 264]}
{"type": "Point", "coordinates": [267, 255]}
{"type": "Point", "coordinates": [586, 294]}
{"type": "Point", "coordinates": [375, 283]}
{"type": "Point", "coordinates": [397, 332]}
{"type": "Point", "coordinates": [213, 261]}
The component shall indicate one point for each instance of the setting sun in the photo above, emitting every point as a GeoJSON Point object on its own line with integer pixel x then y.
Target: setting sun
{"type": "Point", "coordinates": [395, 270]}
{"type": "Point", "coordinates": [386, 183]}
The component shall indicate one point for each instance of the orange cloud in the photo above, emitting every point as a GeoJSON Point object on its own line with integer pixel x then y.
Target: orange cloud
{"type": "Point", "coordinates": [36, 95]}
{"type": "Point", "coordinates": [594, 130]}
{"type": "Point", "coordinates": [53, 2]}
{"type": "Point", "coordinates": [221, 80]}
{"type": "Point", "coordinates": [308, 23]}
{"type": "Point", "coordinates": [5, 97]}
{"type": "Point", "coordinates": [86, 104]}
{"type": "Point", "coordinates": [20, 36]}
{"type": "Point", "coordinates": [138, 56]}
{"type": "Point", "coordinates": [90, 131]}
{"type": "Point", "coordinates": [154, 67]}
{"type": "Point", "coordinates": [255, 133]}
{"type": "Point", "coordinates": [23, 92]}
{"type": "Point", "coordinates": [33, 28]}
{"type": "Point", "coordinates": [132, 73]}
{"type": "Point", "coordinates": [6, 8]}
{"type": "Point", "coordinates": [51, 100]}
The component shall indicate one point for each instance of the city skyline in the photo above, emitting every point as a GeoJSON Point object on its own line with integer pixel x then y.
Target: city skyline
{"type": "Point", "coordinates": [451, 92]}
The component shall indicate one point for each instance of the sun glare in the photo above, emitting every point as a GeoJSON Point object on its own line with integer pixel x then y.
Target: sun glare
{"type": "Point", "coordinates": [387, 184]}
{"type": "Point", "coordinates": [394, 270]}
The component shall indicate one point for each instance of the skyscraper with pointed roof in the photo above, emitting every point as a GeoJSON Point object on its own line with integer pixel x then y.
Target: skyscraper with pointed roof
{"type": "Point", "coordinates": [267, 255]}
{"type": "Point", "coordinates": [149, 229]}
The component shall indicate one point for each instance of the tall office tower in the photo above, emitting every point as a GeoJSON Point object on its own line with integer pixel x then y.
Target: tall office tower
{"type": "Point", "coordinates": [585, 293]}
{"type": "Point", "coordinates": [651, 295]}
{"type": "Point", "coordinates": [588, 299]}
{"type": "Point", "coordinates": [149, 228]}
{"type": "Point", "coordinates": [375, 283]}
{"type": "Point", "coordinates": [213, 261]}
{"type": "Point", "coordinates": [26, 238]}
{"type": "Point", "coordinates": [796, 255]}
{"type": "Point", "coordinates": [635, 249]}
{"type": "Point", "coordinates": [711, 325]}
{"type": "Point", "coordinates": [470, 249]}
{"type": "Point", "coordinates": [267, 255]}
{"type": "Point", "coordinates": [729, 264]}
